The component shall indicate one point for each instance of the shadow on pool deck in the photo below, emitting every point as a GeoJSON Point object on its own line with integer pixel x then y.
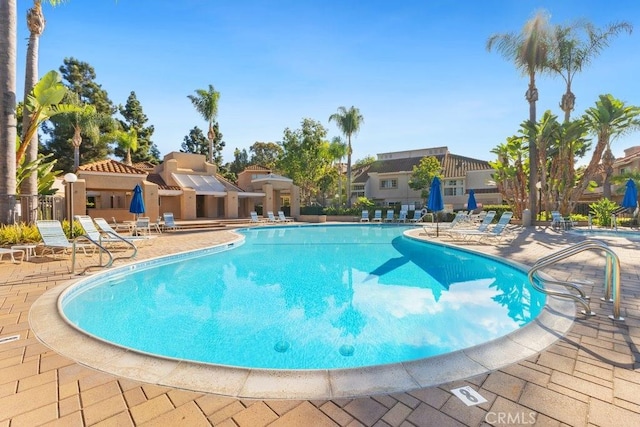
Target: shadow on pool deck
{"type": "Point", "coordinates": [590, 376]}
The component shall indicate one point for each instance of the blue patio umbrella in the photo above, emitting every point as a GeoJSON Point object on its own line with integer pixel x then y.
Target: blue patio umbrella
{"type": "Point", "coordinates": [471, 203]}
{"type": "Point", "coordinates": [435, 202]}
{"type": "Point", "coordinates": [137, 202]}
{"type": "Point", "coordinates": [630, 199]}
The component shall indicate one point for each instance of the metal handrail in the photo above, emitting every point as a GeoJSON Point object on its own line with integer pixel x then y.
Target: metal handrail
{"type": "Point", "coordinates": [612, 276]}
{"type": "Point", "coordinates": [100, 248]}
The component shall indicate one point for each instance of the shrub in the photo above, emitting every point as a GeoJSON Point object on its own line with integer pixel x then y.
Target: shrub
{"type": "Point", "coordinates": [602, 210]}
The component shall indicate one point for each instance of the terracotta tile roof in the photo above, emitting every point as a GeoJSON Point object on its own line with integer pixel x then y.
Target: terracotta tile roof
{"type": "Point", "coordinates": [111, 166]}
{"type": "Point", "coordinates": [256, 168]}
{"type": "Point", "coordinates": [452, 166]}
{"type": "Point", "coordinates": [157, 179]}
{"type": "Point", "coordinates": [148, 166]}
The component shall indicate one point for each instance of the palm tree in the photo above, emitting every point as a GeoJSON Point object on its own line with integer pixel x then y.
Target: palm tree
{"type": "Point", "coordinates": [206, 103]}
{"type": "Point", "coordinates": [84, 119]}
{"type": "Point", "coordinates": [8, 124]}
{"type": "Point", "coordinates": [128, 141]}
{"type": "Point", "coordinates": [35, 23]}
{"type": "Point", "coordinates": [609, 119]}
{"type": "Point", "coordinates": [337, 150]}
{"type": "Point", "coordinates": [573, 47]}
{"type": "Point", "coordinates": [528, 50]}
{"type": "Point", "coordinates": [348, 121]}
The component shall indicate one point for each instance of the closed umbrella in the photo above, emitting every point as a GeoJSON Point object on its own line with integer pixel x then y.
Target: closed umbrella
{"type": "Point", "coordinates": [471, 203]}
{"type": "Point", "coordinates": [630, 199]}
{"type": "Point", "coordinates": [435, 202]}
{"type": "Point", "coordinates": [137, 202]}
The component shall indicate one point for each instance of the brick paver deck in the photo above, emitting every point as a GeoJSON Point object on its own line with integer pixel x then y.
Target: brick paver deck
{"type": "Point", "coordinates": [590, 377]}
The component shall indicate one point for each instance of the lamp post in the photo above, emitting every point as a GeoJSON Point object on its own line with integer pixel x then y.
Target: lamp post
{"type": "Point", "coordinates": [70, 178]}
{"type": "Point", "coordinates": [539, 187]}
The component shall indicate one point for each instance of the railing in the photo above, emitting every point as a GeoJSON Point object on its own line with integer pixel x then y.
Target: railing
{"type": "Point", "coordinates": [100, 248]}
{"type": "Point", "coordinates": [611, 279]}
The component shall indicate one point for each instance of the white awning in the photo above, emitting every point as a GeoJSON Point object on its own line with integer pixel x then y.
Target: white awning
{"type": "Point", "coordinates": [203, 184]}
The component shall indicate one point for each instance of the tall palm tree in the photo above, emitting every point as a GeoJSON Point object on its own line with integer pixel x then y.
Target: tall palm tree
{"type": "Point", "coordinates": [206, 103]}
{"type": "Point", "coordinates": [573, 47]}
{"type": "Point", "coordinates": [8, 121]}
{"type": "Point", "coordinates": [528, 50]}
{"type": "Point", "coordinates": [337, 150]}
{"type": "Point", "coordinates": [348, 121]}
{"type": "Point", "coordinates": [128, 141]}
{"type": "Point", "coordinates": [8, 125]}
{"type": "Point", "coordinates": [609, 119]}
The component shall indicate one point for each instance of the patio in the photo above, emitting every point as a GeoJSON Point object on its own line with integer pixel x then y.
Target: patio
{"type": "Point", "coordinates": [591, 376]}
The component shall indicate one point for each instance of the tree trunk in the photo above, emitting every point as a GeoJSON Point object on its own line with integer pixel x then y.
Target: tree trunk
{"type": "Point", "coordinates": [8, 124]}
{"type": "Point", "coordinates": [29, 187]}
{"type": "Point", "coordinates": [532, 97]}
{"type": "Point", "coordinates": [607, 163]}
{"type": "Point", "coordinates": [349, 173]}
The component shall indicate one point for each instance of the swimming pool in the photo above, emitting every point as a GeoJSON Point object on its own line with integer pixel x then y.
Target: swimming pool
{"type": "Point", "coordinates": [603, 233]}
{"type": "Point", "coordinates": [312, 297]}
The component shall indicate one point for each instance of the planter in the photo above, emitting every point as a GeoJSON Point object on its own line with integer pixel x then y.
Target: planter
{"type": "Point", "coordinates": [313, 218]}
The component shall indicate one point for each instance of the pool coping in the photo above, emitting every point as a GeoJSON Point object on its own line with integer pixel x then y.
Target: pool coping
{"type": "Point", "coordinates": [554, 321]}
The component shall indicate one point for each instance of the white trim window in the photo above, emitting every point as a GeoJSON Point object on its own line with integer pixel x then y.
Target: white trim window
{"type": "Point", "coordinates": [386, 184]}
{"type": "Point", "coordinates": [454, 187]}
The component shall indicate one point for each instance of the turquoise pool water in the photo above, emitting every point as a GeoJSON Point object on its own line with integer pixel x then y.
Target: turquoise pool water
{"type": "Point", "coordinates": [597, 232]}
{"type": "Point", "coordinates": [310, 297]}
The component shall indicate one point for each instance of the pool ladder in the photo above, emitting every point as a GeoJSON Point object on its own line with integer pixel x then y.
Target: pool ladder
{"type": "Point", "coordinates": [611, 280]}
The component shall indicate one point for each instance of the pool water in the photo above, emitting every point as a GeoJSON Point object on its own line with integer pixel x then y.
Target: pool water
{"type": "Point", "coordinates": [310, 297]}
{"type": "Point", "coordinates": [598, 232]}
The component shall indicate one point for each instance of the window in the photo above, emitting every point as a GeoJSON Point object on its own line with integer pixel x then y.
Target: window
{"type": "Point", "coordinates": [454, 187]}
{"type": "Point", "coordinates": [388, 183]}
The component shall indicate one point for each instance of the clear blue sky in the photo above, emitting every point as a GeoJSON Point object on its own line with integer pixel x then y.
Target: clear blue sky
{"type": "Point", "coordinates": [417, 70]}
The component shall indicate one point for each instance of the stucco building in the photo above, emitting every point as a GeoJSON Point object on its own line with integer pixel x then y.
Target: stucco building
{"type": "Point", "coordinates": [386, 181]}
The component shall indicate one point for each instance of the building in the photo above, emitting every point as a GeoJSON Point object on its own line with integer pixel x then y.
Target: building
{"type": "Point", "coordinates": [386, 181]}
{"type": "Point", "coordinates": [184, 184]}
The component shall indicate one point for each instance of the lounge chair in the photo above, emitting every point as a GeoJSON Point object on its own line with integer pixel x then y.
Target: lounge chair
{"type": "Point", "coordinates": [254, 217]}
{"type": "Point", "coordinates": [12, 253]}
{"type": "Point", "coordinates": [390, 216]}
{"type": "Point", "coordinates": [105, 227]}
{"type": "Point", "coordinates": [365, 216]}
{"type": "Point", "coordinates": [458, 224]}
{"type": "Point", "coordinates": [559, 222]}
{"type": "Point", "coordinates": [417, 216]}
{"type": "Point", "coordinates": [402, 216]}
{"type": "Point", "coordinates": [169, 221]}
{"type": "Point", "coordinates": [377, 216]}
{"type": "Point", "coordinates": [271, 217]}
{"type": "Point", "coordinates": [465, 233]}
{"type": "Point", "coordinates": [495, 234]}
{"type": "Point", "coordinates": [283, 218]}
{"type": "Point", "coordinates": [116, 226]}
{"type": "Point", "coordinates": [102, 237]}
{"type": "Point", "coordinates": [54, 240]}
{"type": "Point", "coordinates": [142, 226]}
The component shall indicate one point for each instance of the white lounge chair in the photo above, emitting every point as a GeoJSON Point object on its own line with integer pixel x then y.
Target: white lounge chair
{"type": "Point", "coordinates": [494, 234]}
{"type": "Point", "coordinates": [254, 217]}
{"type": "Point", "coordinates": [377, 215]}
{"type": "Point", "coordinates": [54, 240]}
{"type": "Point", "coordinates": [169, 221]}
{"type": "Point", "coordinates": [102, 237]}
{"type": "Point", "coordinates": [390, 216]}
{"type": "Point", "coordinates": [105, 227]}
{"type": "Point", "coordinates": [12, 253]}
{"type": "Point", "coordinates": [402, 216]}
{"type": "Point", "coordinates": [283, 218]}
{"type": "Point", "coordinates": [271, 217]}
{"type": "Point", "coordinates": [465, 233]}
{"type": "Point", "coordinates": [365, 216]}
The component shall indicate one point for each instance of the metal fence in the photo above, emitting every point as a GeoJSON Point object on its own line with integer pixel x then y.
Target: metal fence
{"type": "Point", "coordinates": [31, 208]}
